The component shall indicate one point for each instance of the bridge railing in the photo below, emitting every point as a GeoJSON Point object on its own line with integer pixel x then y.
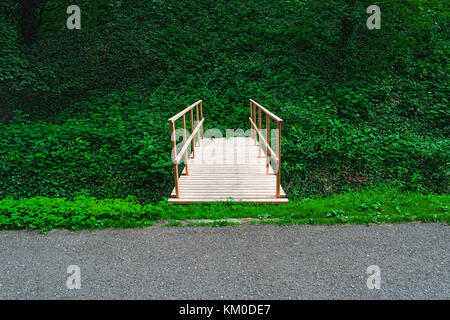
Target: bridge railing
{"type": "Point", "coordinates": [256, 134]}
{"type": "Point", "coordinates": [176, 157]}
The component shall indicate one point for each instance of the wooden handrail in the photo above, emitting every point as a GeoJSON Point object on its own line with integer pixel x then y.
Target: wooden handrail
{"type": "Point", "coordinates": [181, 113]}
{"type": "Point", "coordinates": [258, 134]}
{"type": "Point", "coordinates": [187, 142]}
{"type": "Point", "coordinates": [176, 158]}
{"type": "Point", "coordinates": [264, 140]}
{"type": "Point", "coordinates": [270, 114]}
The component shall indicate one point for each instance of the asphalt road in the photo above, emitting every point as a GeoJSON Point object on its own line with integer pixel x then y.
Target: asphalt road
{"type": "Point", "coordinates": [244, 262]}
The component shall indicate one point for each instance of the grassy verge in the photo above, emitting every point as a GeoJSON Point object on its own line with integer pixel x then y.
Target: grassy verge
{"type": "Point", "coordinates": [370, 206]}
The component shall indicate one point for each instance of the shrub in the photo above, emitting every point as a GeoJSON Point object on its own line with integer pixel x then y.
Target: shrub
{"type": "Point", "coordinates": [81, 213]}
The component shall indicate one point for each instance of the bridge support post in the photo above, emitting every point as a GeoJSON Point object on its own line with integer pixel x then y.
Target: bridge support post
{"type": "Point", "coordinates": [268, 143]}
{"type": "Point", "coordinates": [254, 121]}
{"type": "Point", "coordinates": [259, 128]}
{"type": "Point", "coordinates": [186, 158]}
{"type": "Point", "coordinates": [201, 116]}
{"type": "Point", "coordinates": [175, 166]}
{"type": "Point", "coordinates": [198, 121]}
{"type": "Point", "coordinates": [279, 160]}
{"type": "Point", "coordinates": [192, 131]}
{"type": "Point", "coordinates": [251, 117]}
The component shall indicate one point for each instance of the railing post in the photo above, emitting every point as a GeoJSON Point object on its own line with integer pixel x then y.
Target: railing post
{"type": "Point", "coordinates": [192, 131]}
{"type": "Point", "coordinates": [251, 117]}
{"type": "Point", "coordinates": [174, 152]}
{"type": "Point", "coordinates": [259, 128]}
{"type": "Point", "coordinates": [184, 142]}
{"type": "Point", "coordinates": [268, 143]}
{"type": "Point", "coordinates": [198, 121]}
{"type": "Point", "coordinates": [201, 115]}
{"type": "Point", "coordinates": [254, 121]}
{"type": "Point", "coordinates": [279, 159]}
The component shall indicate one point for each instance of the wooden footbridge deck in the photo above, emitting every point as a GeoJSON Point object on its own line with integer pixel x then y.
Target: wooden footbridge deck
{"type": "Point", "coordinates": [240, 168]}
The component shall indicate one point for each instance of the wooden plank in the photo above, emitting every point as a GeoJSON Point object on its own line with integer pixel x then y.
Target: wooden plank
{"type": "Point", "coordinates": [197, 200]}
{"type": "Point", "coordinates": [233, 195]}
{"type": "Point", "coordinates": [229, 191]}
{"type": "Point", "coordinates": [224, 187]}
{"type": "Point", "coordinates": [229, 176]}
{"type": "Point", "coordinates": [228, 186]}
{"type": "Point", "coordinates": [228, 195]}
{"type": "Point", "coordinates": [254, 173]}
{"type": "Point", "coordinates": [221, 180]}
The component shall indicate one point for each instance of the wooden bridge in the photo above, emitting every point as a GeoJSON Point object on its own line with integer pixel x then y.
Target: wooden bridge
{"type": "Point", "coordinates": [241, 168]}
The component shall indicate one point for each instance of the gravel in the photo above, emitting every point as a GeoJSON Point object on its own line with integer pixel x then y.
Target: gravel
{"type": "Point", "coordinates": [243, 262]}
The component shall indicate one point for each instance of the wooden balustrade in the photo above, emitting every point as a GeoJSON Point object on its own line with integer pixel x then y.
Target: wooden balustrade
{"type": "Point", "coordinates": [176, 157]}
{"type": "Point", "coordinates": [256, 134]}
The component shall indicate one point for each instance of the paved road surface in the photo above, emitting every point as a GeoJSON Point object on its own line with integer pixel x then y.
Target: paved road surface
{"type": "Point", "coordinates": [244, 262]}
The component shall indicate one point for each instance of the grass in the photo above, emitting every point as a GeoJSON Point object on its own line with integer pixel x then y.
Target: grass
{"type": "Point", "coordinates": [369, 206]}
{"type": "Point", "coordinates": [173, 224]}
{"type": "Point", "coordinates": [214, 224]}
{"type": "Point", "coordinates": [379, 205]}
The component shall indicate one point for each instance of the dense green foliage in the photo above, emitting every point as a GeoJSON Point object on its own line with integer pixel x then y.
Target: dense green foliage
{"type": "Point", "coordinates": [110, 149]}
{"type": "Point", "coordinates": [82, 213]}
{"type": "Point", "coordinates": [84, 111]}
{"type": "Point", "coordinates": [374, 206]}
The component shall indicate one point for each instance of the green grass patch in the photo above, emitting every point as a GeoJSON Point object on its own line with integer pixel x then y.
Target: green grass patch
{"type": "Point", "coordinates": [214, 224]}
{"type": "Point", "coordinates": [174, 224]}
{"type": "Point", "coordinates": [82, 213]}
{"type": "Point", "coordinates": [368, 206]}
{"type": "Point", "coordinates": [380, 205]}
